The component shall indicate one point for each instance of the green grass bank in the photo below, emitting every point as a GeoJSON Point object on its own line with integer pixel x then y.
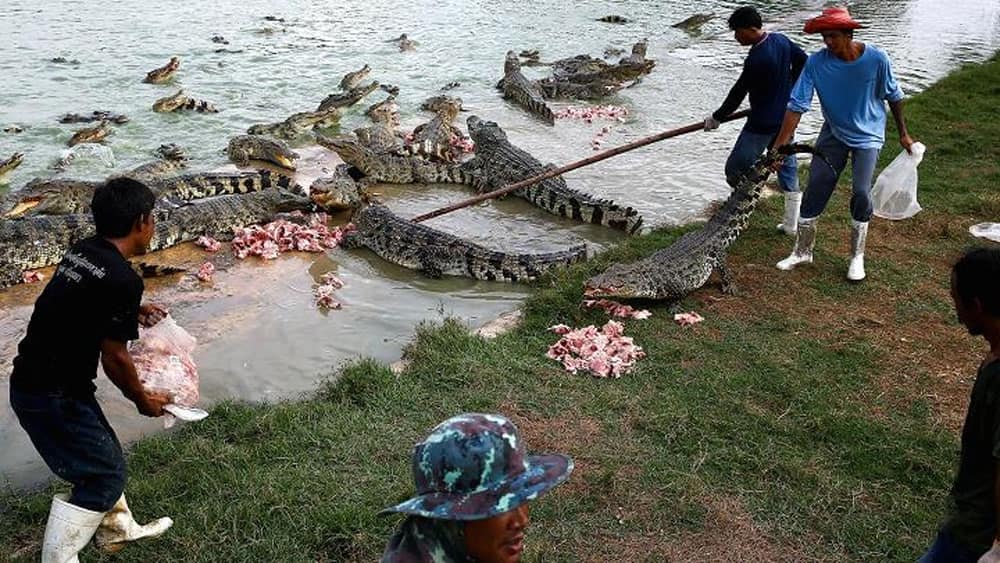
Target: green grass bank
{"type": "Point", "coordinates": [805, 419]}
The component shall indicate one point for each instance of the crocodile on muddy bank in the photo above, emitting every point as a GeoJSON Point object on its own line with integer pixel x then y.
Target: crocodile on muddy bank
{"type": "Point", "coordinates": [498, 163]}
{"type": "Point", "coordinates": [35, 242]}
{"type": "Point", "coordinates": [435, 253]}
{"type": "Point", "coordinates": [673, 272]}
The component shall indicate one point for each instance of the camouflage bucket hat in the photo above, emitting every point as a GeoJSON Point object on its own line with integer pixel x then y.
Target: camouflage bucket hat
{"type": "Point", "coordinates": [474, 466]}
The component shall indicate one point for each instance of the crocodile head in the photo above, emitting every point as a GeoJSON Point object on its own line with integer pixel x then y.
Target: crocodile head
{"type": "Point", "coordinates": [93, 134]}
{"type": "Point", "coordinates": [244, 148]}
{"type": "Point", "coordinates": [11, 163]}
{"type": "Point", "coordinates": [621, 282]}
{"type": "Point", "coordinates": [511, 63]}
{"type": "Point", "coordinates": [349, 150]}
{"type": "Point", "coordinates": [337, 192]}
{"type": "Point", "coordinates": [485, 132]}
{"type": "Point", "coordinates": [285, 201]}
{"type": "Point", "coordinates": [353, 79]}
{"type": "Point", "coordinates": [170, 103]}
{"type": "Point", "coordinates": [172, 152]}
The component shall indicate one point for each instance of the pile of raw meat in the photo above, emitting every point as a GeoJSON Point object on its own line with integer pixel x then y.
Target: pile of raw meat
{"type": "Point", "coordinates": [604, 352]}
{"type": "Point", "coordinates": [616, 309]}
{"type": "Point", "coordinates": [324, 291]}
{"type": "Point", "coordinates": [283, 236]}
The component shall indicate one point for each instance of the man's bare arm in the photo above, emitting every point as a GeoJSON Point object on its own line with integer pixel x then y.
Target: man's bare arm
{"type": "Point", "coordinates": [897, 115]}
{"type": "Point", "coordinates": [121, 371]}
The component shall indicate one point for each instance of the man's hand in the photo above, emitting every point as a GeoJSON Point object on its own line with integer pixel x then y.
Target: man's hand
{"type": "Point", "coordinates": [152, 404]}
{"type": "Point", "coordinates": [907, 142]}
{"type": "Point", "coordinates": [151, 313]}
{"type": "Point", "coordinates": [711, 123]}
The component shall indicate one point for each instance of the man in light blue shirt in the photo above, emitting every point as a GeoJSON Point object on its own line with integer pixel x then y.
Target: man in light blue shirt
{"type": "Point", "coordinates": [854, 81]}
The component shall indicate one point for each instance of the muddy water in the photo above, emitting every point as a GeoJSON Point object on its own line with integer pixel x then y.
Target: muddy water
{"type": "Point", "coordinates": [260, 336]}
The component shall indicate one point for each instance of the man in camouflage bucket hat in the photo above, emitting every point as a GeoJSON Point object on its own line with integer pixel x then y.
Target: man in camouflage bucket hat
{"type": "Point", "coordinates": [473, 480]}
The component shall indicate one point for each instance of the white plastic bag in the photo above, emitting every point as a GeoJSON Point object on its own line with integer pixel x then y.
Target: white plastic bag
{"type": "Point", "coordinates": [988, 231]}
{"type": "Point", "coordinates": [895, 192]}
{"type": "Point", "coordinates": [162, 358]}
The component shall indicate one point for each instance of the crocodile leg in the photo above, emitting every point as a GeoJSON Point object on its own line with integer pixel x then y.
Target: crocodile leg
{"type": "Point", "coordinates": [728, 285]}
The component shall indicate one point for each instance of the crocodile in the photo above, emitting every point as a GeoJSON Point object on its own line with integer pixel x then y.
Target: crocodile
{"type": "Point", "coordinates": [672, 273]}
{"type": "Point", "coordinates": [352, 80]}
{"type": "Point", "coordinates": [164, 73]}
{"type": "Point", "coordinates": [94, 134]}
{"type": "Point", "coordinates": [692, 24]}
{"type": "Point", "coordinates": [96, 115]}
{"type": "Point", "coordinates": [383, 135]}
{"type": "Point", "coordinates": [244, 148]}
{"type": "Point", "coordinates": [522, 91]}
{"type": "Point", "coordinates": [441, 101]}
{"type": "Point", "coordinates": [35, 242]}
{"type": "Point", "coordinates": [554, 89]}
{"type": "Point", "coordinates": [404, 43]}
{"type": "Point", "coordinates": [179, 101]}
{"type": "Point", "coordinates": [613, 19]}
{"type": "Point", "coordinates": [587, 69]}
{"type": "Point", "coordinates": [437, 138]}
{"type": "Point", "coordinates": [392, 169]}
{"type": "Point", "coordinates": [298, 124]}
{"type": "Point", "coordinates": [66, 197]}
{"type": "Point", "coordinates": [347, 98]}
{"type": "Point", "coordinates": [9, 164]}
{"type": "Point", "coordinates": [435, 253]}
{"type": "Point", "coordinates": [338, 191]}
{"type": "Point", "coordinates": [499, 163]}
{"type": "Point", "coordinates": [390, 89]}
{"type": "Point", "coordinates": [172, 159]}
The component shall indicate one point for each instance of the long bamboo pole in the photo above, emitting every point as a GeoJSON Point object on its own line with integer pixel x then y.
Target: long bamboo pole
{"type": "Point", "coordinates": [574, 165]}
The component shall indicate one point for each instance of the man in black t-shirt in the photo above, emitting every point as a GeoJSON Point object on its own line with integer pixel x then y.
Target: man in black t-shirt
{"type": "Point", "coordinates": [88, 312]}
{"type": "Point", "coordinates": [969, 532]}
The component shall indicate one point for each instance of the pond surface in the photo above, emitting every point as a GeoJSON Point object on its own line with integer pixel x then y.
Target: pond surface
{"type": "Point", "coordinates": [260, 336]}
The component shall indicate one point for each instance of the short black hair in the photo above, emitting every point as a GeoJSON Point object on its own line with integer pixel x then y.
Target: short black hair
{"type": "Point", "coordinates": [118, 204]}
{"type": "Point", "coordinates": [745, 17]}
{"type": "Point", "coordinates": [977, 276]}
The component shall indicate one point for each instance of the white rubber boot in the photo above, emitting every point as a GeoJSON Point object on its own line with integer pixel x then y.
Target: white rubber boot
{"type": "Point", "coordinates": [119, 528]}
{"type": "Point", "coordinates": [805, 239]}
{"type": "Point", "coordinates": [859, 234]}
{"type": "Point", "coordinates": [790, 221]}
{"type": "Point", "coordinates": [69, 529]}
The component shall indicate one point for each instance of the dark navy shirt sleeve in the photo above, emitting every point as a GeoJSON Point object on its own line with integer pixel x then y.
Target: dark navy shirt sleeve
{"type": "Point", "coordinates": [736, 94]}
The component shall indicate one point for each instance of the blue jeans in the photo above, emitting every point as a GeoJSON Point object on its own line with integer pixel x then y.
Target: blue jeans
{"type": "Point", "coordinates": [77, 443]}
{"type": "Point", "coordinates": [946, 550]}
{"type": "Point", "coordinates": [751, 146]}
{"type": "Point", "coordinates": [823, 178]}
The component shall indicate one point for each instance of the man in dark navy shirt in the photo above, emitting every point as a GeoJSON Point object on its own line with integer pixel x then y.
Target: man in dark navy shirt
{"type": "Point", "coordinates": [769, 71]}
{"type": "Point", "coordinates": [88, 312]}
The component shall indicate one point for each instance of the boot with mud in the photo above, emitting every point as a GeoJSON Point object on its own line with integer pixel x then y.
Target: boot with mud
{"type": "Point", "coordinates": [119, 527]}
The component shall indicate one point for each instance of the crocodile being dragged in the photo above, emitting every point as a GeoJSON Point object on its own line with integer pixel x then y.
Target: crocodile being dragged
{"type": "Point", "coordinates": [392, 169]}
{"type": "Point", "coordinates": [164, 73]}
{"type": "Point", "coordinates": [179, 101]}
{"type": "Point", "coordinates": [499, 163]}
{"type": "Point", "coordinates": [522, 91]}
{"type": "Point", "coordinates": [244, 148]}
{"type": "Point", "coordinates": [684, 266]}
{"type": "Point", "coordinates": [35, 242]}
{"type": "Point", "coordinates": [435, 253]}
{"type": "Point", "coordinates": [7, 165]}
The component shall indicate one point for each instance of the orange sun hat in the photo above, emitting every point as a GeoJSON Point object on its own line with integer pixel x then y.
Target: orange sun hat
{"type": "Point", "coordinates": [832, 19]}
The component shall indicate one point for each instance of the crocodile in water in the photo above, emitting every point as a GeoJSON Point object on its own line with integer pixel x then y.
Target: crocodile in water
{"type": "Point", "coordinates": [393, 169]}
{"type": "Point", "coordinates": [499, 163]}
{"type": "Point", "coordinates": [435, 253]}
{"type": "Point", "coordinates": [523, 92]}
{"type": "Point", "coordinates": [179, 101]}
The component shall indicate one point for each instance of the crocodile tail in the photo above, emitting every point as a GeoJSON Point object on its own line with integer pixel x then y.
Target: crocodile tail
{"type": "Point", "coordinates": [501, 266]}
{"type": "Point", "coordinates": [147, 270]}
{"type": "Point", "coordinates": [539, 108]}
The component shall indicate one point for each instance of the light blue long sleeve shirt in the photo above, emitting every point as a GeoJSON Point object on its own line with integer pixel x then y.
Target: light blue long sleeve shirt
{"type": "Point", "coordinates": [851, 94]}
